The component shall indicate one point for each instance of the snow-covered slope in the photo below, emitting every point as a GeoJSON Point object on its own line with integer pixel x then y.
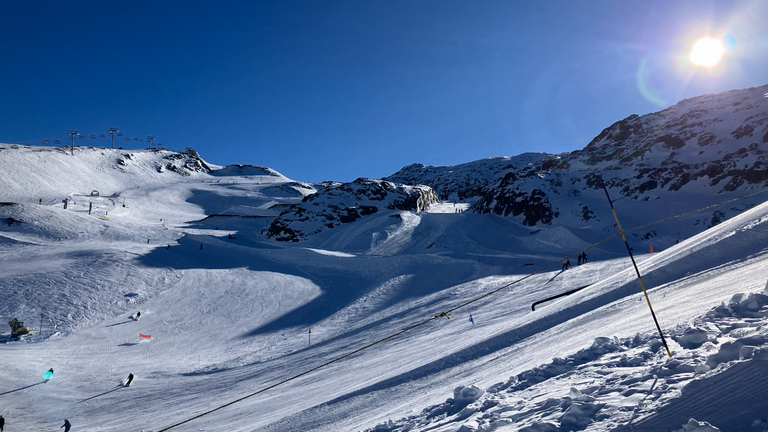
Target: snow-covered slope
{"type": "Point", "coordinates": [229, 310]}
{"type": "Point", "coordinates": [700, 151]}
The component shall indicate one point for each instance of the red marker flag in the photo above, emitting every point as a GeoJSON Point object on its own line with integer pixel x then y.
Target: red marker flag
{"type": "Point", "coordinates": [145, 336]}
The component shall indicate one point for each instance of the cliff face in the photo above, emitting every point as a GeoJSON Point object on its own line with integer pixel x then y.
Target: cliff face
{"type": "Point", "coordinates": [341, 203]}
{"type": "Point", "coordinates": [700, 147]}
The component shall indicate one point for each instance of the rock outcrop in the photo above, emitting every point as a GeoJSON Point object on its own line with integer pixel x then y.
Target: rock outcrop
{"type": "Point", "coordinates": [343, 203]}
{"type": "Point", "coordinates": [703, 146]}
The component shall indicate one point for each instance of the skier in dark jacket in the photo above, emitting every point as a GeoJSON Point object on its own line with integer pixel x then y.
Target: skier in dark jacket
{"type": "Point", "coordinates": [66, 425]}
{"type": "Point", "coordinates": [566, 263]}
{"type": "Point", "coordinates": [130, 378]}
{"type": "Point", "coordinates": [138, 314]}
{"type": "Point", "coordinates": [584, 257]}
{"type": "Point", "coordinates": [2, 423]}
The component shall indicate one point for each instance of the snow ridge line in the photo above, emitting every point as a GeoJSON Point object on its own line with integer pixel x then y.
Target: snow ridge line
{"type": "Point", "coordinates": [447, 313]}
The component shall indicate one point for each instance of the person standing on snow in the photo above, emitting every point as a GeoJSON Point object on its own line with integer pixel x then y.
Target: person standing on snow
{"type": "Point", "coordinates": [66, 425]}
{"type": "Point", "coordinates": [566, 263]}
{"type": "Point", "coordinates": [138, 314]}
{"type": "Point", "coordinates": [2, 423]}
{"type": "Point", "coordinates": [579, 260]}
{"type": "Point", "coordinates": [130, 378]}
{"type": "Point", "coordinates": [584, 257]}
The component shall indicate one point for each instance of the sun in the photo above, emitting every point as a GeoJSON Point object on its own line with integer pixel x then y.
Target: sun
{"type": "Point", "coordinates": [707, 52]}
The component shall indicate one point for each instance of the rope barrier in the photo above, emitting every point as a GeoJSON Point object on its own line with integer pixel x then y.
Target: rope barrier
{"type": "Point", "coordinates": [447, 313]}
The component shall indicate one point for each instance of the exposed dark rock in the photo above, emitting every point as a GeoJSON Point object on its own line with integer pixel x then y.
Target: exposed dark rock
{"type": "Point", "coordinates": [639, 157]}
{"type": "Point", "coordinates": [341, 203]}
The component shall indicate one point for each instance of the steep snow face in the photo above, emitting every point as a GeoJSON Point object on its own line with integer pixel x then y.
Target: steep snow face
{"type": "Point", "coordinates": [344, 203]}
{"type": "Point", "coordinates": [33, 173]}
{"type": "Point", "coordinates": [683, 157]}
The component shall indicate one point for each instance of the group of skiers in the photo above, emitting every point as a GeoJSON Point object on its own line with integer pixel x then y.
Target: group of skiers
{"type": "Point", "coordinates": [582, 260]}
{"type": "Point", "coordinates": [66, 424]}
{"type": "Point", "coordinates": [48, 375]}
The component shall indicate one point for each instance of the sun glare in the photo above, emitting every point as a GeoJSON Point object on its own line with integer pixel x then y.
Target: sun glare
{"type": "Point", "coordinates": [707, 52]}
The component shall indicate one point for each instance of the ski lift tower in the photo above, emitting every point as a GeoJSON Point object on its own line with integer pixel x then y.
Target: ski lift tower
{"type": "Point", "coordinates": [112, 132]}
{"type": "Point", "coordinates": [72, 134]}
{"type": "Point", "coordinates": [150, 138]}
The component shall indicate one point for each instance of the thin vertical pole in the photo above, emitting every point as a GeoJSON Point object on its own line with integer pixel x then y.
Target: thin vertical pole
{"type": "Point", "coordinates": [41, 324]}
{"type": "Point", "coordinates": [309, 337]}
{"type": "Point", "coordinates": [112, 132]}
{"type": "Point", "coordinates": [629, 251]}
{"type": "Point", "coordinates": [72, 134]}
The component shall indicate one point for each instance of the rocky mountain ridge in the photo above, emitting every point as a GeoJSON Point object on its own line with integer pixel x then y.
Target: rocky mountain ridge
{"type": "Point", "coordinates": [702, 147]}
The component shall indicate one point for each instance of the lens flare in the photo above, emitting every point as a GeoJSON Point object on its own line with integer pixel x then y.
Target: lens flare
{"type": "Point", "coordinates": [707, 52]}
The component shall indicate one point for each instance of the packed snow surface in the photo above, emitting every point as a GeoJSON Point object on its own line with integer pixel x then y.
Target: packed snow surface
{"type": "Point", "coordinates": [230, 312]}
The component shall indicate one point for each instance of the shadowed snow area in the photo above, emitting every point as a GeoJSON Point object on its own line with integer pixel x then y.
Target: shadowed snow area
{"type": "Point", "coordinates": [229, 310]}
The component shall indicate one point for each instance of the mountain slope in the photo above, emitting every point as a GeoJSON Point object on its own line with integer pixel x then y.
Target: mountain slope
{"type": "Point", "coordinates": [697, 152]}
{"type": "Point", "coordinates": [230, 310]}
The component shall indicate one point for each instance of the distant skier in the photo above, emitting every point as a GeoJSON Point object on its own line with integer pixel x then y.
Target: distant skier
{"type": "Point", "coordinates": [2, 423]}
{"type": "Point", "coordinates": [130, 378]}
{"type": "Point", "coordinates": [566, 263]}
{"type": "Point", "coordinates": [584, 257]}
{"type": "Point", "coordinates": [138, 314]}
{"type": "Point", "coordinates": [578, 262]}
{"type": "Point", "coordinates": [66, 425]}
{"type": "Point", "coordinates": [48, 375]}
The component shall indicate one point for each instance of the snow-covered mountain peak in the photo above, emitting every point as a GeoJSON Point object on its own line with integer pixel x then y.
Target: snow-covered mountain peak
{"type": "Point", "coordinates": [52, 172]}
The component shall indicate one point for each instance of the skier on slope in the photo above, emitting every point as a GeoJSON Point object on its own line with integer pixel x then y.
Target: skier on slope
{"type": "Point", "coordinates": [66, 425]}
{"type": "Point", "coordinates": [584, 257]}
{"type": "Point", "coordinates": [138, 314]}
{"type": "Point", "coordinates": [579, 260]}
{"type": "Point", "coordinates": [566, 263]}
{"type": "Point", "coordinates": [130, 378]}
{"type": "Point", "coordinates": [2, 423]}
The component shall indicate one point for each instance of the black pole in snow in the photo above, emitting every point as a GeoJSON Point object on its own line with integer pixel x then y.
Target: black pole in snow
{"type": "Point", "coordinates": [629, 251]}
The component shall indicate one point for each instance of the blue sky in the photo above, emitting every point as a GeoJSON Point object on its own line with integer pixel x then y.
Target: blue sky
{"type": "Point", "coordinates": [335, 90]}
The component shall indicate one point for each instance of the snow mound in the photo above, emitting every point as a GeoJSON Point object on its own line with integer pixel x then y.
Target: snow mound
{"type": "Point", "coordinates": [245, 170]}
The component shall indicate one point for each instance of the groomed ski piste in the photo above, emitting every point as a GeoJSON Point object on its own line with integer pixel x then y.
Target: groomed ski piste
{"type": "Point", "coordinates": [229, 313]}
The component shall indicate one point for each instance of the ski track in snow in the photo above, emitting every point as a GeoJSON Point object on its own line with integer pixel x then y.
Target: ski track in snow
{"type": "Point", "coordinates": [233, 316]}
